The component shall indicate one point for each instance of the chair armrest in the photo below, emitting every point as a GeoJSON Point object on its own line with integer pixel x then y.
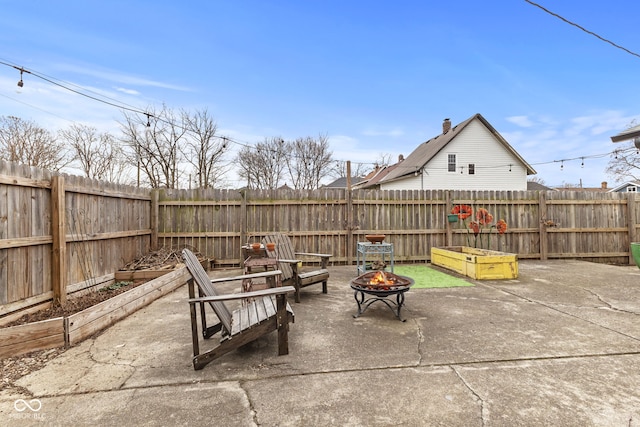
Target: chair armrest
{"type": "Point", "coordinates": [248, 276]}
{"type": "Point", "coordinates": [245, 295]}
{"type": "Point", "coordinates": [289, 261]}
{"type": "Point", "coordinates": [317, 255]}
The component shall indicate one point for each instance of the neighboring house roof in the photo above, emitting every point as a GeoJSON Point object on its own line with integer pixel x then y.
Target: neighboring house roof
{"type": "Point", "coordinates": [626, 135]}
{"type": "Point", "coordinates": [625, 185]}
{"type": "Point", "coordinates": [375, 176]}
{"type": "Point", "coordinates": [602, 189]}
{"type": "Point", "coordinates": [536, 186]}
{"type": "Point", "coordinates": [342, 182]}
{"type": "Point", "coordinates": [427, 150]}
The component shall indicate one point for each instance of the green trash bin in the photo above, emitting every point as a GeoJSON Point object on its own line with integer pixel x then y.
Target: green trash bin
{"type": "Point", "coordinates": [635, 252]}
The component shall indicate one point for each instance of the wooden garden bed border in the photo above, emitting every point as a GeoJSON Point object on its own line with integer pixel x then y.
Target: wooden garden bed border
{"type": "Point", "coordinates": [73, 329]}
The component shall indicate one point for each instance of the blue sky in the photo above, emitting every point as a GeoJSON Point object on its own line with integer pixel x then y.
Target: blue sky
{"type": "Point", "coordinates": [376, 77]}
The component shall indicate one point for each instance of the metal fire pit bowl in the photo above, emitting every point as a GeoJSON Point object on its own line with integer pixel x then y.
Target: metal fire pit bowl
{"type": "Point", "coordinates": [366, 292]}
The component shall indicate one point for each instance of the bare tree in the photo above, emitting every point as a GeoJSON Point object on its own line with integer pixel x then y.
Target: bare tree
{"type": "Point", "coordinates": [384, 159]}
{"type": "Point", "coordinates": [624, 161]}
{"type": "Point", "coordinates": [25, 142]}
{"type": "Point", "coordinates": [537, 180]}
{"type": "Point", "coordinates": [204, 150]}
{"type": "Point", "coordinates": [358, 169]}
{"type": "Point", "coordinates": [309, 162]}
{"type": "Point", "coordinates": [339, 169]}
{"type": "Point", "coordinates": [263, 166]}
{"type": "Point", "coordinates": [154, 139]}
{"type": "Point", "coordinates": [99, 154]}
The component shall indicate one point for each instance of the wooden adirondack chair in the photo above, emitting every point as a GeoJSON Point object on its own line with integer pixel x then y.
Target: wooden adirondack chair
{"type": "Point", "coordinates": [288, 260]}
{"type": "Point", "coordinates": [264, 311]}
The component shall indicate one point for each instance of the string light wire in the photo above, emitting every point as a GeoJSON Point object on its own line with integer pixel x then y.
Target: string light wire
{"type": "Point", "coordinates": [226, 139]}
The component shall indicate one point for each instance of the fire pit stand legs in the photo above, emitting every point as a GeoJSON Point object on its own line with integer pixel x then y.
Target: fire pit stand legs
{"type": "Point", "coordinates": [364, 302]}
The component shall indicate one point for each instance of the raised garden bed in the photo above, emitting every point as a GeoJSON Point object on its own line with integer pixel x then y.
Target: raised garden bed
{"type": "Point", "coordinates": [156, 264]}
{"type": "Point", "coordinates": [70, 330]}
{"type": "Point", "coordinates": [476, 263]}
{"type": "Point", "coordinates": [66, 326]}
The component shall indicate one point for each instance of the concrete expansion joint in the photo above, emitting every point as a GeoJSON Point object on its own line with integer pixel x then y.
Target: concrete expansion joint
{"type": "Point", "coordinates": [483, 410]}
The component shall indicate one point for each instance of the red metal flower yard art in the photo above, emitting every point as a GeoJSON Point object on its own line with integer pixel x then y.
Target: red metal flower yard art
{"type": "Point", "coordinates": [501, 226]}
{"type": "Point", "coordinates": [463, 211]}
{"type": "Point", "coordinates": [483, 220]}
{"type": "Point", "coordinates": [484, 217]}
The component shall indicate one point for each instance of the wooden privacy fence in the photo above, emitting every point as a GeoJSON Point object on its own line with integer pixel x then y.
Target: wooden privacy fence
{"type": "Point", "coordinates": [61, 230]}
{"type": "Point", "coordinates": [60, 234]}
{"type": "Point", "coordinates": [541, 225]}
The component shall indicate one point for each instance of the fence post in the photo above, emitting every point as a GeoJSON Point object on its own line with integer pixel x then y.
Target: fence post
{"type": "Point", "coordinates": [542, 215]}
{"type": "Point", "coordinates": [154, 219]}
{"type": "Point", "coordinates": [243, 216]}
{"type": "Point", "coordinates": [349, 195]}
{"type": "Point", "coordinates": [631, 222]}
{"type": "Point", "coordinates": [449, 236]}
{"type": "Point", "coordinates": [58, 234]}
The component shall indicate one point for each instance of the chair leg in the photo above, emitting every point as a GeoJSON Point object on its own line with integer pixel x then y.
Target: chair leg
{"type": "Point", "coordinates": [298, 287]}
{"type": "Point", "coordinates": [283, 325]}
{"type": "Point", "coordinates": [194, 320]}
{"type": "Point", "coordinates": [194, 330]}
{"type": "Point", "coordinates": [324, 287]}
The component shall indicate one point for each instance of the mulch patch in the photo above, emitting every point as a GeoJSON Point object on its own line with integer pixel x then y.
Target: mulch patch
{"type": "Point", "coordinates": [75, 304]}
{"type": "Point", "coordinates": [164, 258]}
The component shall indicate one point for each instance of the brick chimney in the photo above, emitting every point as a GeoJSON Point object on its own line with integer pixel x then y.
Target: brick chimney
{"type": "Point", "coordinates": [603, 185]}
{"type": "Point", "coordinates": [446, 126]}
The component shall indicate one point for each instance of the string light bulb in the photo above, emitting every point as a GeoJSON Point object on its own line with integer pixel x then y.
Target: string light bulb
{"type": "Point", "coordinates": [21, 83]}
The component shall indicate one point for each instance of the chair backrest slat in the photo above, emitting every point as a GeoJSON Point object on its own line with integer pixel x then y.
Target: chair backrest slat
{"type": "Point", "coordinates": [206, 288]}
{"type": "Point", "coordinates": [284, 250]}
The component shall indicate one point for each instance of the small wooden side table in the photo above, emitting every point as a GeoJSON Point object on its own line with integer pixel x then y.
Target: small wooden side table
{"type": "Point", "coordinates": [255, 262]}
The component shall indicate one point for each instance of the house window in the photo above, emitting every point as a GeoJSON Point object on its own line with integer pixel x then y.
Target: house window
{"type": "Point", "coordinates": [451, 163]}
{"type": "Point", "coordinates": [632, 189]}
{"type": "Point", "coordinates": [472, 169]}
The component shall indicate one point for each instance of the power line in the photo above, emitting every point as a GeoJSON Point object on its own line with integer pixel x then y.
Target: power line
{"type": "Point", "coordinates": [583, 29]}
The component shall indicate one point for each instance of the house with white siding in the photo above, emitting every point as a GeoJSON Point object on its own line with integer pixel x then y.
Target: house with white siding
{"type": "Point", "coordinates": [469, 156]}
{"type": "Point", "coordinates": [627, 187]}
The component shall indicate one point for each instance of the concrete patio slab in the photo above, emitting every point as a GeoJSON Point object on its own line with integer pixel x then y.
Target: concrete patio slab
{"type": "Point", "coordinates": [558, 346]}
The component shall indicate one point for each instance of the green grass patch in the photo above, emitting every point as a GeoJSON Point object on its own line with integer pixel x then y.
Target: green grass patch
{"type": "Point", "coordinates": [427, 277]}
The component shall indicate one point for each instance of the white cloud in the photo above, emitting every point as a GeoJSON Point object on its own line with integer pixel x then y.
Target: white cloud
{"type": "Point", "coordinates": [522, 121]}
{"type": "Point", "coordinates": [571, 150]}
{"type": "Point", "coordinates": [127, 91]}
{"type": "Point", "coordinates": [120, 77]}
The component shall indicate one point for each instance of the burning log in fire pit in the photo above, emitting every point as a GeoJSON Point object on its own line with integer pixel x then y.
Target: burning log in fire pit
{"type": "Point", "coordinates": [380, 284]}
{"type": "Point", "coordinates": [381, 280]}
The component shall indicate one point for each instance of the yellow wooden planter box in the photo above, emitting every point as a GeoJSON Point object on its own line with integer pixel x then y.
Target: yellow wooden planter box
{"type": "Point", "coordinates": [476, 263]}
